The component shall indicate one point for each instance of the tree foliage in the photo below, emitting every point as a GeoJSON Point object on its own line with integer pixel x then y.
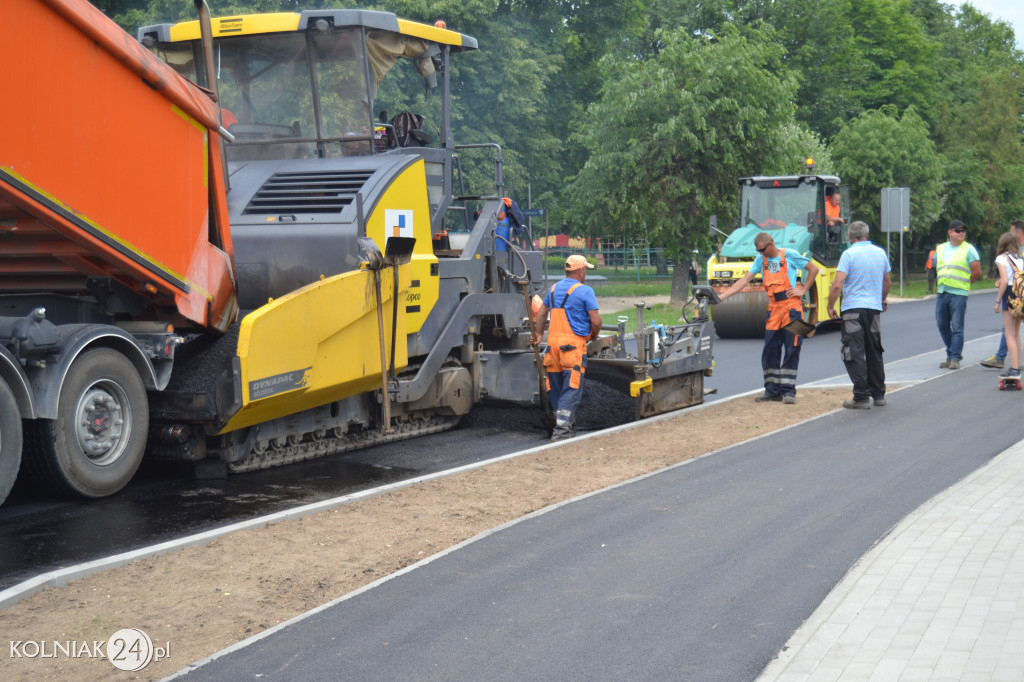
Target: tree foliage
{"type": "Point", "coordinates": [883, 149]}
{"type": "Point", "coordinates": [676, 131]}
{"type": "Point", "coordinates": [979, 124]}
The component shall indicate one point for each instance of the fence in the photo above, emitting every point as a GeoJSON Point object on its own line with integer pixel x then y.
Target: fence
{"type": "Point", "coordinates": [620, 264]}
{"type": "Point", "coordinates": [651, 264]}
{"type": "Point", "coordinates": [914, 260]}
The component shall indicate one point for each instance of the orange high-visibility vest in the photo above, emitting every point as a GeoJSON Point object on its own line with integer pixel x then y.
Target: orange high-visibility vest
{"type": "Point", "coordinates": [777, 284]}
{"type": "Point", "coordinates": [831, 210]}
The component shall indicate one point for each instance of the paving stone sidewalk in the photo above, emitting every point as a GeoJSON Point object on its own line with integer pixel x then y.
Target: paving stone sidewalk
{"type": "Point", "coordinates": [940, 598]}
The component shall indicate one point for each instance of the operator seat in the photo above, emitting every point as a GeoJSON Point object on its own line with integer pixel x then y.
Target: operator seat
{"type": "Point", "coordinates": [409, 131]}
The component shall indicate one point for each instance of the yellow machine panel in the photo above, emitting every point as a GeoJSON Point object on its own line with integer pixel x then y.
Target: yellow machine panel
{"type": "Point", "coordinates": [317, 344]}
{"type": "Point", "coordinates": [253, 23]}
{"type": "Point", "coordinates": [287, 22]}
{"type": "Point", "coordinates": [404, 211]}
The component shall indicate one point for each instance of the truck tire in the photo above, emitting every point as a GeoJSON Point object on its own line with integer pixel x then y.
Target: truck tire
{"type": "Point", "coordinates": [96, 443]}
{"type": "Point", "coordinates": [10, 440]}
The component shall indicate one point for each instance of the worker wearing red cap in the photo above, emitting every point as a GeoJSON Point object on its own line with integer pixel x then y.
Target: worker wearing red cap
{"type": "Point", "coordinates": [574, 322]}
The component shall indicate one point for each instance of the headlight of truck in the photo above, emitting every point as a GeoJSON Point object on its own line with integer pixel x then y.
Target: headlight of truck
{"type": "Point", "coordinates": [722, 273]}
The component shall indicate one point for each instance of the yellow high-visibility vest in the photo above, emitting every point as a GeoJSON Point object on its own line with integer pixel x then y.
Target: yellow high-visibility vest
{"type": "Point", "coordinates": [953, 270]}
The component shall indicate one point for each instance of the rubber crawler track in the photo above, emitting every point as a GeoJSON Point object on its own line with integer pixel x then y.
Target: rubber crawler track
{"type": "Point", "coordinates": [310, 448]}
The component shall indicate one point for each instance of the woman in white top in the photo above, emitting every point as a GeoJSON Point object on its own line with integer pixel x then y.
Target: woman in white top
{"type": "Point", "coordinates": [1009, 263]}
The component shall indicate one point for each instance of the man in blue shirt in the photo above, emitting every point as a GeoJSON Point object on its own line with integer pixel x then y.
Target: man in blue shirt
{"type": "Point", "coordinates": [574, 321]}
{"type": "Point", "coordinates": [864, 281]}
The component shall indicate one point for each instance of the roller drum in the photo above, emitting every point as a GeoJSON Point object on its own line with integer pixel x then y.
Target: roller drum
{"type": "Point", "coordinates": [741, 316]}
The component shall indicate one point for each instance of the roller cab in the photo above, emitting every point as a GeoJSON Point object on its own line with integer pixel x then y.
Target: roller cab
{"type": "Point", "coordinates": [791, 209]}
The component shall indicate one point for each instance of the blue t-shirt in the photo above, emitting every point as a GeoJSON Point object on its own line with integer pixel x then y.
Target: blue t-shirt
{"type": "Point", "coordinates": [865, 266]}
{"type": "Point", "coordinates": [577, 307]}
{"type": "Point", "coordinates": [794, 262]}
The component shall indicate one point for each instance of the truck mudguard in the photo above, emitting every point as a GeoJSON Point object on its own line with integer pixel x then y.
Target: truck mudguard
{"type": "Point", "coordinates": [14, 376]}
{"type": "Point", "coordinates": [47, 381]}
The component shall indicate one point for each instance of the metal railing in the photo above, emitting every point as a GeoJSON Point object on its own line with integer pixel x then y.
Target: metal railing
{"type": "Point", "coordinates": [641, 264]}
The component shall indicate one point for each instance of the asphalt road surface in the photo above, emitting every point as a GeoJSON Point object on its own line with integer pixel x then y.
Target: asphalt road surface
{"type": "Point", "coordinates": [38, 534]}
{"type": "Point", "coordinates": [908, 330]}
{"type": "Point", "coordinates": [701, 572]}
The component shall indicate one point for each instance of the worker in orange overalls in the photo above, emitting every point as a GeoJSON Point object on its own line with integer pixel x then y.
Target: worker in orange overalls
{"type": "Point", "coordinates": [781, 354]}
{"type": "Point", "coordinates": [574, 322]}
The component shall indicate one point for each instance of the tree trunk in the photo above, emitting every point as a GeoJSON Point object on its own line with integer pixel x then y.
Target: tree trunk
{"type": "Point", "coordinates": [661, 264]}
{"type": "Point", "coordinates": [680, 282]}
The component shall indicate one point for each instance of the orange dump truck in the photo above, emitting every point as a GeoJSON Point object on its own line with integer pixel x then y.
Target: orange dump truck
{"type": "Point", "coordinates": [114, 240]}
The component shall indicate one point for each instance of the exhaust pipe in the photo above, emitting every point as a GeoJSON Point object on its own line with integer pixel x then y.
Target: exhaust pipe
{"type": "Point", "coordinates": [206, 38]}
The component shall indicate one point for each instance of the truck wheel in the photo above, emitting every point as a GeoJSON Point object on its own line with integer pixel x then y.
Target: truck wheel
{"type": "Point", "coordinates": [10, 440]}
{"type": "Point", "coordinates": [96, 443]}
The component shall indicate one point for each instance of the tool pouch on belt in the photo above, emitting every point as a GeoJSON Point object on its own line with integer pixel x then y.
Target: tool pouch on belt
{"type": "Point", "coordinates": [576, 375]}
{"type": "Point", "coordinates": [567, 357]}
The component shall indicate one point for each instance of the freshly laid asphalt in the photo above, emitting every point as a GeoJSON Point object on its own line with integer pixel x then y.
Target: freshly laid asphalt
{"type": "Point", "coordinates": [846, 547]}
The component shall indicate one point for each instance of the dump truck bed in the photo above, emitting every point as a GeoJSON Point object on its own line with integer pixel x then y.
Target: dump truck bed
{"type": "Point", "coordinates": [87, 207]}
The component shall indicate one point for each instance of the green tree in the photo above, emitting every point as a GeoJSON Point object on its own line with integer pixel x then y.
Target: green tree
{"type": "Point", "coordinates": [851, 56]}
{"type": "Point", "coordinates": [569, 38]}
{"type": "Point", "coordinates": [673, 133]}
{"type": "Point", "coordinates": [823, 52]}
{"type": "Point", "coordinates": [132, 14]}
{"type": "Point", "coordinates": [978, 127]}
{"type": "Point", "coordinates": [900, 54]}
{"type": "Point", "coordinates": [504, 98]}
{"type": "Point", "coordinates": [985, 187]}
{"type": "Point", "coordinates": [797, 143]}
{"type": "Point", "coordinates": [882, 149]}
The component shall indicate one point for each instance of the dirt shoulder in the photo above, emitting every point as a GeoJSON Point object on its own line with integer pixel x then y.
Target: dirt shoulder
{"type": "Point", "coordinates": [203, 599]}
{"type": "Point", "coordinates": [611, 304]}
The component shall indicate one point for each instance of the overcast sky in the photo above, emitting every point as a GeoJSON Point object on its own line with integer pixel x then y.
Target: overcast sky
{"type": "Point", "coordinates": [1010, 11]}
